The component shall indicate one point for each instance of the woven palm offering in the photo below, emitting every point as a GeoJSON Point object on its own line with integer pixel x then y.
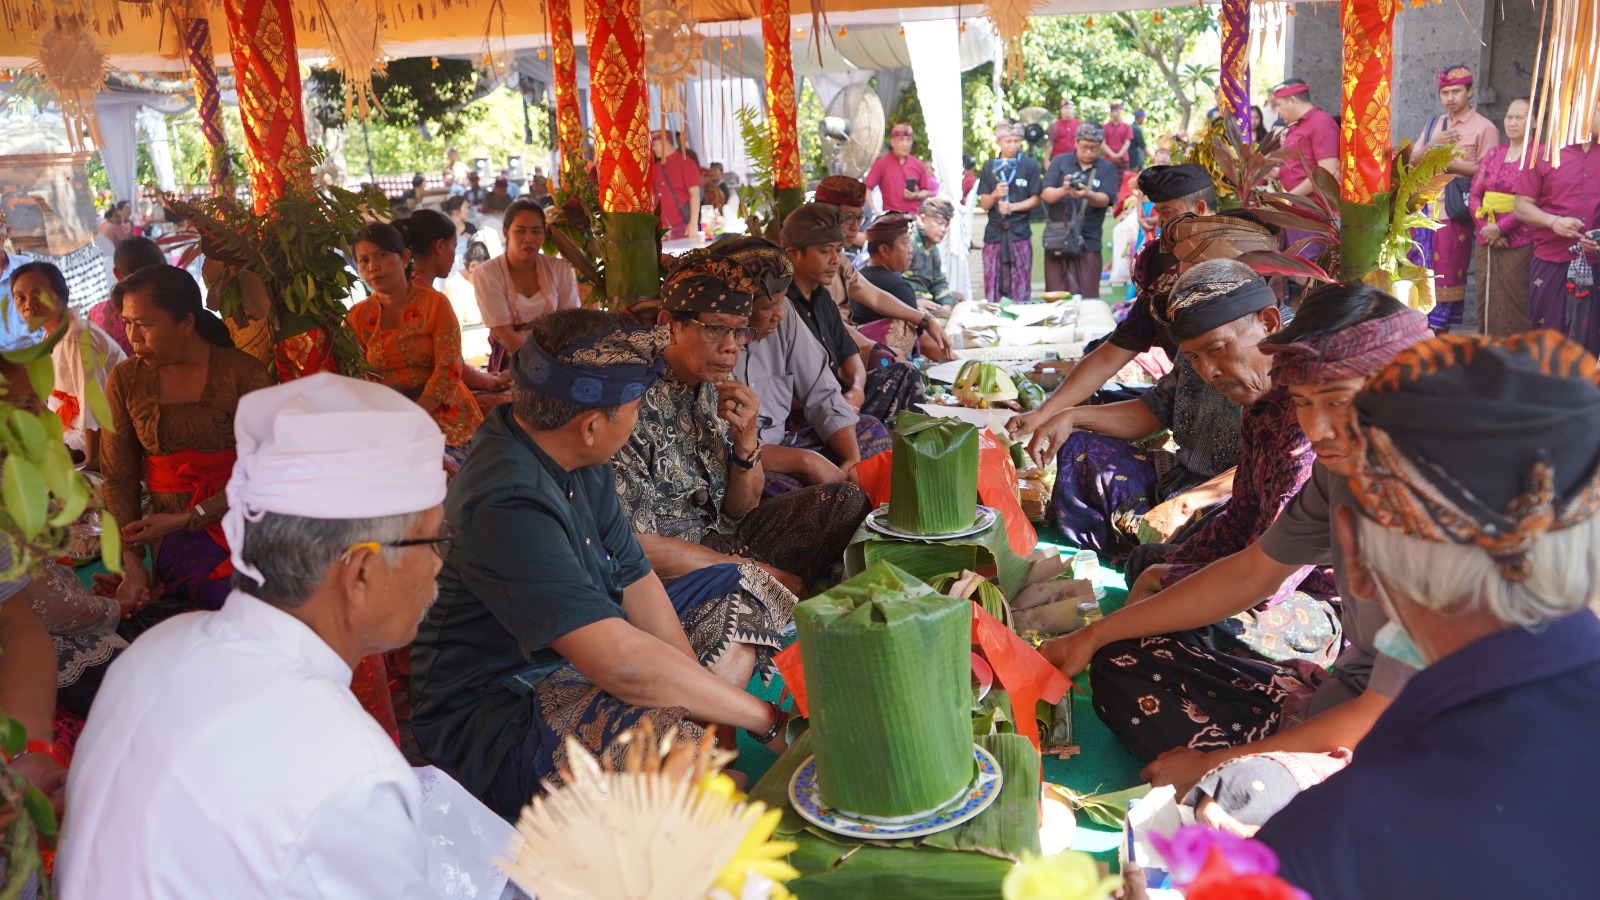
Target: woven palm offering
{"type": "Point", "coordinates": [888, 675]}
{"type": "Point", "coordinates": [933, 475]}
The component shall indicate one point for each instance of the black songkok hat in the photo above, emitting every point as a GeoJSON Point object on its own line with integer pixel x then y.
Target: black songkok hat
{"type": "Point", "coordinates": [1162, 183]}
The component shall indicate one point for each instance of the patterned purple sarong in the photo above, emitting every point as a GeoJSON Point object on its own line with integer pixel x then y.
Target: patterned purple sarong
{"type": "Point", "coordinates": [183, 566]}
{"type": "Point", "coordinates": [1019, 283]}
{"type": "Point", "coordinates": [1098, 481]}
{"type": "Point", "coordinates": [871, 437]}
{"type": "Point", "coordinates": [1551, 305]}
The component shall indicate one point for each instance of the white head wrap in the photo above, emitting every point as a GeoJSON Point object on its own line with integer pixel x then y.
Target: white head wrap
{"type": "Point", "coordinates": [330, 447]}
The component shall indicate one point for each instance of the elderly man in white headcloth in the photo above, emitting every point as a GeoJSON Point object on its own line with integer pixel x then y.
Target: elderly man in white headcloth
{"type": "Point", "coordinates": [225, 755]}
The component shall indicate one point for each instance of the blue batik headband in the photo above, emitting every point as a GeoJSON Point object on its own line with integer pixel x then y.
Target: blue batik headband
{"type": "Point", "coordinates": [608, 371]}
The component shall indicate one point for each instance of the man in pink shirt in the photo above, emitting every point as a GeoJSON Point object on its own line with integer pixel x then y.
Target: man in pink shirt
{"type": "Point", "coordinates": [1562, 204]}
{"type": "Point", "coordinates": [1064, 133]}
{"type": "Point", "coordinates": [676, 182]}
{"type": "Point", "coordinates": [1119, 137]}
{"type": "Point", "coordinates": [1312, 139]}
{"type": "Point", "coordinates": [1474, 137]}
{"type": "Point", "coordinates": [902, 178]}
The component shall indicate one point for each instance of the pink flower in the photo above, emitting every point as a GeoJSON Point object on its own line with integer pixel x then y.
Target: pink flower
{"type": "Point", "coordinates": [1190, 850]}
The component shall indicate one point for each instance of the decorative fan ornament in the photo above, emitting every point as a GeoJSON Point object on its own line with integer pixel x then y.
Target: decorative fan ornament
{"type": "Point", "coordinates": [672, 48]}
{"type": "Point", "coordinates": [1010, 18]}
{"type": "Point", "coordinates": [667, 826]}
{"type": "Point", "coordinates": [354, 40]}
{"type": "Point", "coordinates": [68, 59]}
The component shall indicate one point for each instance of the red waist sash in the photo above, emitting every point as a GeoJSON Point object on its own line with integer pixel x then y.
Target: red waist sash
{"type": "Point", "coordinates": [200, 473]}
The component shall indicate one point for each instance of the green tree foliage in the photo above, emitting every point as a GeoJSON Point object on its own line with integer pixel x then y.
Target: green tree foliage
{"type": "Point", "coordinates": [1165, 37]}
{"type": "Point", "coordinates": [497, 131]}
{"type": "Point", "coordinates": [417, 91]}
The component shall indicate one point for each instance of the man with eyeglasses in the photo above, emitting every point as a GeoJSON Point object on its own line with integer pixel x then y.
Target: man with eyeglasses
{"type": "Point", "coordinates": [691, 477]}
{"type": "Point", "coordinates": [225, 754]}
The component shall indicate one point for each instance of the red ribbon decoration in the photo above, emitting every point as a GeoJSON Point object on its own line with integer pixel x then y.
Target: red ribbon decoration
{"type": "Point", "coordinates": [1365, 138]}
{"type": "Point", "coordinates": [782, 102]}
{"type": "Point", "coordinates": [267, 73]}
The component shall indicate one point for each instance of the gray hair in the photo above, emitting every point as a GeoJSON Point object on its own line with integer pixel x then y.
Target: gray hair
{"type": "Point", "coordinates": [1461, 580]}
{"type": "Point", "coordinates": [293, 553]}
{"type": "Point", "coordinates": [1205, 280]}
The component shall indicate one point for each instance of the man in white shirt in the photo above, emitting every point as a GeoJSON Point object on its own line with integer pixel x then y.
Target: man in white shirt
{"type": "Point", "coordinates": [225, 755]}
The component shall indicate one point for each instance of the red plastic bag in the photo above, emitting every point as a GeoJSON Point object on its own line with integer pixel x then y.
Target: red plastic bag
{"type": "Point", "coordinates": [997, 488]}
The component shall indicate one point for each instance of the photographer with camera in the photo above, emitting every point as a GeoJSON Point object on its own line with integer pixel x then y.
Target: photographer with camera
{"type": "Point", "coordinates": [1078, 188]}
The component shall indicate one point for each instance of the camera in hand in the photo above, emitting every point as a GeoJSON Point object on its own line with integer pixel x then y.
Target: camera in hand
{"type": "Point", "coordinates": [1079, 179]}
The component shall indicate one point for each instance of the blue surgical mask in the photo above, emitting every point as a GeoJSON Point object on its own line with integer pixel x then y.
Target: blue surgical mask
{"type": "Point", "coordinates": [1392, 640]}
{"type": "Point", "coordinates": [1395, 642]}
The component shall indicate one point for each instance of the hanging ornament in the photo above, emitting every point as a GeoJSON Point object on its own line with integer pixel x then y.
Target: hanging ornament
{"type": "Point", "coordinates": [1089, 22]}
{"type": "Point", "coordinates": [1156, 17]}
{"type": "Point", "coordinates": [542, 53]}
{"type": "Point", "coordinates": [727, 44]}
{"type": "Point", "coordinates": [672, 48]}
{"type": "Point", "coordinates": [1010, 18]}
{"type": "Point", "coordinates": [433, 62]}
{"type": "Point", "coordinates": [69, 61]}
{"type": "Point", "coordinates": [902, 31]}
{"type": "Point", "coordinates": [842, 32]}
{"type": "Point", "coordinates": [356, 52]}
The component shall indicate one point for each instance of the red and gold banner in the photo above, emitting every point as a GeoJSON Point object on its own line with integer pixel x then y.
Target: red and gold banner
{"type": "Point", "coordinates": [621, 106]}
{"type": "Point", "coordinates": [261, 34]}
{"type": "Point", "coordinates": [1236, 64]}
{"type": "Point", "coordinates": [564, 63]}
{"type": "Point", "coordinates": [782, 106]}
{"type": "Point", "coordinates": [1365, 141]}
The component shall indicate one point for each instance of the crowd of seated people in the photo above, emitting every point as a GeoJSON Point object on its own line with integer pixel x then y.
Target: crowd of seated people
{"type": "Point", "coordinates": [614, 527]}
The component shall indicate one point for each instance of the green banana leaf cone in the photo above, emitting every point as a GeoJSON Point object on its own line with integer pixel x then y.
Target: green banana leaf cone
{"type": "Point", "coordinates": [888, 681]}
{"type": "Point", "coordinates": [933, 475]}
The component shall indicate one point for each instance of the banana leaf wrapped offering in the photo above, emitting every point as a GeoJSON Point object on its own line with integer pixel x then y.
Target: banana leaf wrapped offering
{"type": "Point", "coordinates": [887, 665]}
{"type": "Point", "coordinates": [933, 476]}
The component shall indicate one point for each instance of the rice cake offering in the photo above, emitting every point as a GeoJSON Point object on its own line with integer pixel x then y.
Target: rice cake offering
{"type": "Point", "coordinates": [887, 664]}
{"type": "Point", "coordinates": [933, 475]}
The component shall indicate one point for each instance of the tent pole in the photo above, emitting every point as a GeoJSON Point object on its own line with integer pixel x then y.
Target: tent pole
{"type": "Point", "coordinates": [564, 67]}
{"type": "Point", "coordinates": [1365, 141]}
{"type": "Point", "coordinates": [268, 76]}
{"type": "Point", "coordinates": [1236, 64]}
{"type": "Point", "coordinates": [782, 107]}
{"type": "Point", "coordinates": [622, 148]}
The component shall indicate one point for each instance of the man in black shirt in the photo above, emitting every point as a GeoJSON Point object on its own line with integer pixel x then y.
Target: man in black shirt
{"type": "Point", "coordinates": [813, 236]}
{"type": "Point", "coordinates": [1008, 190]}
{"type": "Point", "coordinates": [889, 249]}
{"type": "Point", "coordinates": [1077, 190]}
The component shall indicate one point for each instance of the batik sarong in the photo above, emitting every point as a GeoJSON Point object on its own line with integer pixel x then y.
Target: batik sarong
{"type": "Point", "coordinates": [1503, 278]}
{"type": "Point", "coordinates": [184, 565]}
{"type": "Point", "coordinates": [1003, 278]}
{"type": "Point", "coordinates": [1158, 693]}
{"type": "Point", "coordinates": [717, 605]}
{"type": "Point", "coordinates": [891, 388]}
{"type": "Point", "coordinates": [804, 532]}
{"type": "Point", "coordinates": [871, 438]}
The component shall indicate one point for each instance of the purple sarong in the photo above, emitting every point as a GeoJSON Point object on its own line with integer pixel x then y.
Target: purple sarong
{"type": "Point", "coordinates": [1451, 255]}
{"type": "Point", "coordinates": [1100, 480]}
{"type": "Point", "coordinates": [1018, 284]}
{"type": "Point", "coordinates": [1551, 305]}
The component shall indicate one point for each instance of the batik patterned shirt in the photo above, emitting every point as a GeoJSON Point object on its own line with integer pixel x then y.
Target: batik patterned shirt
{"type": "Point", "coordinates": [672, 474]}
{"type": "Point", "coordinates": [1275, 459]}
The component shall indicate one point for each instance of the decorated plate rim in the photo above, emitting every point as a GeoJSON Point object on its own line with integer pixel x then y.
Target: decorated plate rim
{"type": "Point", "coordinates": [981, 793]}
{"type": "Point", "coordinates": [986, 517]}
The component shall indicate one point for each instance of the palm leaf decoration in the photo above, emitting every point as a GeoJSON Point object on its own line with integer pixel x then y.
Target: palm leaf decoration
{"type": "Point", "coordinates": [760, 195]}
{"type": "Point", "coordinates": [299, 248]}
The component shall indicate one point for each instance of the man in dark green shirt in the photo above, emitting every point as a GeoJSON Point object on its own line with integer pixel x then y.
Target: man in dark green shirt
{"type": "Point", "coordinates": [550, 623]}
